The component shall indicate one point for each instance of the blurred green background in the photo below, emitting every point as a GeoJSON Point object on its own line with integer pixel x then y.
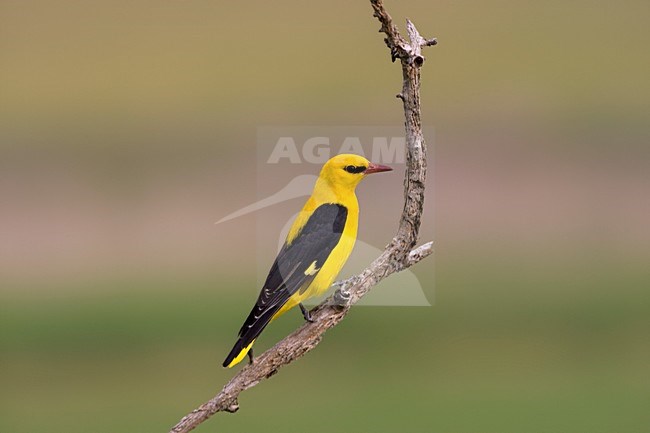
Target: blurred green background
{"type": "Point", "coordinates": [128, 127]}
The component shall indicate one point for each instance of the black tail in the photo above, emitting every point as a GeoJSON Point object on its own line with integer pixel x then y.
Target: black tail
{"type": "Point", "coordinates": [252, 328]}
{"type": "Point", "coordinates": [236, 350]}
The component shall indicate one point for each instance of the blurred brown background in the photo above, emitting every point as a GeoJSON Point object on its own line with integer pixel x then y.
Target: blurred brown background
{"type": "Point", "coordinates": [128, 127]}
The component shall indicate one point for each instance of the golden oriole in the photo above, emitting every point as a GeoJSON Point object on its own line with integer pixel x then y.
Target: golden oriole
{"type": "Point", "coordinates": [317, 245]}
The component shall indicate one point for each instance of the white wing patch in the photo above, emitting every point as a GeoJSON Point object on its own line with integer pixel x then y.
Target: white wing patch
{"type": "Point", "coordinates": [312, 269]}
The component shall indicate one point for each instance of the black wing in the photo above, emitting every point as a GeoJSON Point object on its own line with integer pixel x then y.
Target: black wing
{"type": "Point", "coordinates": [310, 248]}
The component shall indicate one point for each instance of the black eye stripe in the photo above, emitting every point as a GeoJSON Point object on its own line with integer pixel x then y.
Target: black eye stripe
{"type": "Point", "coordinates": [355, 169]}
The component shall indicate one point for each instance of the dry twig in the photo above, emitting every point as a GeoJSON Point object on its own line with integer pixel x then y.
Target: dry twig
{"type": "Point", "coordinates": [398, 255]}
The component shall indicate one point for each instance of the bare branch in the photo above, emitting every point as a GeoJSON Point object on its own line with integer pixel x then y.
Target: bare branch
{"type": "Point", "coordinates": [398, 255]}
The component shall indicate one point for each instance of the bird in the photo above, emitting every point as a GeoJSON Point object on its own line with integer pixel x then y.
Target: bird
{"type": "Point", "coordinates": [317, 246]}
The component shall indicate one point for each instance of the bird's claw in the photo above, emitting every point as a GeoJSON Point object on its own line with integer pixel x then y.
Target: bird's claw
{"type": "Point", "coordinates": [342, 296]}
{"type": "Point", "coordinates": [306, 313]}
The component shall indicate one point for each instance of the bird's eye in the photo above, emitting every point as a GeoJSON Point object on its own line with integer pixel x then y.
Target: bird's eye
{"type": "Point", "coordinates": [354, 169]}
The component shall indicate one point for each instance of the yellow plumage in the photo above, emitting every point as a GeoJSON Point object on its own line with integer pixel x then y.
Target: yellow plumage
{"type": "Point", "coordinates": [325, 228]}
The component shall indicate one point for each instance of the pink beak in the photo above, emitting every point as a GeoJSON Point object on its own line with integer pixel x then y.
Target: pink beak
{"type": "Point", "coordinates": [376, 168]}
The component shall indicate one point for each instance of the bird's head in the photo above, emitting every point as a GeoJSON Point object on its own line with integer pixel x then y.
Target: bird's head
{"type": "Point", "coordinates": [347, 170]}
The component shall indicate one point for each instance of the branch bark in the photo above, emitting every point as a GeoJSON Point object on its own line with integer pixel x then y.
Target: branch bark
{"type": "Point", "coordinates": [398, 255]}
